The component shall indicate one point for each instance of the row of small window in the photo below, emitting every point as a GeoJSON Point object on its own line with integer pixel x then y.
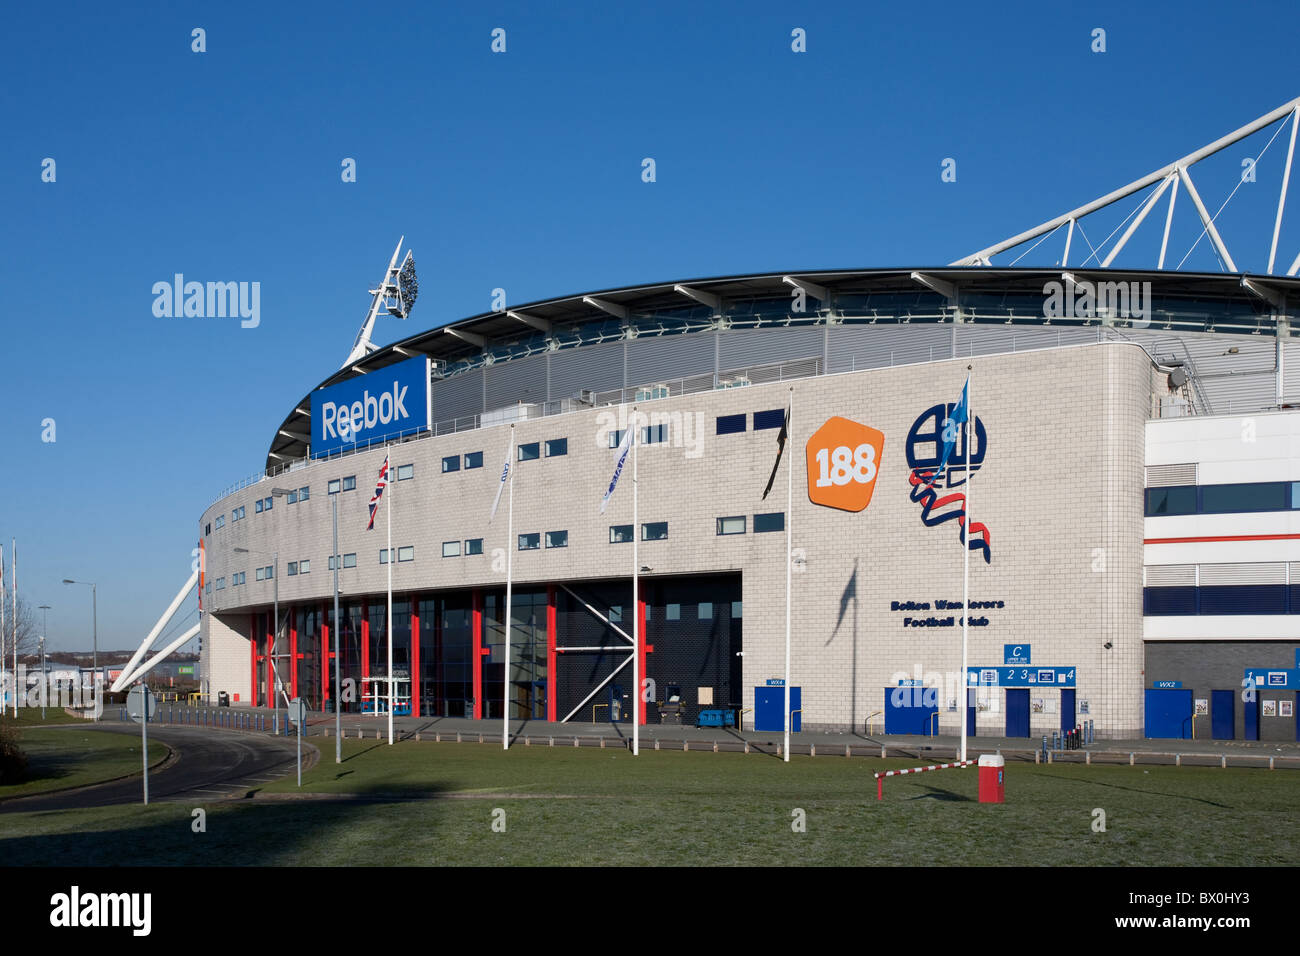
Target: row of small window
{"type": "Point", "coordinates": [259, 506]}
{"type": "Point", "coordinates": [528, 451]}
{"type": "Point", "coordinates": [236, 580]}
{"type": "Point", "coordinates": [732, 424]}
{"type": "Point", "coordinates": [767, 522]}
{"type": "Point", "coordinates": [1223, 499]}
{"type": "Point", "coordinates": [704, 611]}
{"type": "Point", "coordinates": [334, 486]}
{"type": "Point", "coordinates": [1221, 599]}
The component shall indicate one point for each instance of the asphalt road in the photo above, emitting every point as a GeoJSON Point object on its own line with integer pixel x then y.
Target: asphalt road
{"type": "Point", "coordinates": [206, 765]}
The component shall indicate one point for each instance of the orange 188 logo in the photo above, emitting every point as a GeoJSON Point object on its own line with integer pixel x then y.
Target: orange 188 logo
{"type": "Point", "coordinates": [843, 461]}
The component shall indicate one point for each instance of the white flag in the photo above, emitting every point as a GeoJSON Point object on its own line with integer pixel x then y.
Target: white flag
{"type": "Point", "coordinates": [623, 447]}
{"type": "Point", "coordinates": [505, 476]}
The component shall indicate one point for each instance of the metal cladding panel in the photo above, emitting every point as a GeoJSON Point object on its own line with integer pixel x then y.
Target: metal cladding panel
{"type": "Point", "coordinates": [595, 367]}
{"type": "Point", "coordinates": [1231, 381]}
{"type": "Point", "coordinates": [519, 380]}
{"type": "Point", "coordinates": [1291, 373]}
{"type": "Point", "coordinates": [856, 347]}
{"type": "Point", "coordinates": [663, 358]}
{"type": "Point", "coordinates": [991, 339]}
{"type": "Point", "coordinates": [741, 348]}
{"type": "Point", "coordinates": [458, 396]}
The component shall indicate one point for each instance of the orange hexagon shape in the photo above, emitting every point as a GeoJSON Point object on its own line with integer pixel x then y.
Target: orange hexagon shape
{"type": "Point", "coordinates": [843, 462]}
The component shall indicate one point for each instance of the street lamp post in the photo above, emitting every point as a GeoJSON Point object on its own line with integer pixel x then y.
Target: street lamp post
{"type": "Point", "coordinates": [45, 683]}
{"type": "Point", "coordinates": [94, 659]}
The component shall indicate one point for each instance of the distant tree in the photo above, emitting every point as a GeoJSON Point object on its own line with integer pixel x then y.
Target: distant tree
{"type": "Point", "coordinates": [29, 627]}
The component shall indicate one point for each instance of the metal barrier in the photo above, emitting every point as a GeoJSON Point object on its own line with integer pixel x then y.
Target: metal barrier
{"type": "Point", "coordinates": [871, 732]}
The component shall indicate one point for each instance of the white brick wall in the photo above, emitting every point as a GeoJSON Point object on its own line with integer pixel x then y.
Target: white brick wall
{"type": "Point", "coordinates": [1063, 478]}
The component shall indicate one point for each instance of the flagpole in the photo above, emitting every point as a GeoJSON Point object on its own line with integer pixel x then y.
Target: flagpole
{"type": "Point", "coordinates": [636, 595]}
{"type": "Point", "coordinates": [510, 548]}
{"type": "Point", "coordinates": [965, 588]}
{"type": "Point", "coordinates": [388, 487]}
{"type": "Point", "coordinates": [14, 587]}
{"type": "Point", "coordinates": [789, 539]}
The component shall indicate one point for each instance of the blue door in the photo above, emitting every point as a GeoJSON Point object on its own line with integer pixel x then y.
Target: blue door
{"type": "Point", "coordinates": [769, 702]}
{"type": "Point", "coordinates": [1067, 710]}
{"type": "Point", "coordinates": [970, 712]}
{"type": "Point", "coordinates": [1223, 723]}
{"type": "Point", "coordinates": [1018, 712]}
{"type": "Point", "coordinates": [1168, 714]}
{"type": "Point", "coordinates": [910, 710]}
{"type": "Point", "coordinates": [1250, 717]}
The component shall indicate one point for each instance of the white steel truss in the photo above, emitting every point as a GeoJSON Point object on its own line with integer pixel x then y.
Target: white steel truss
{"type": "Point", "coordinates": [1170, 178]}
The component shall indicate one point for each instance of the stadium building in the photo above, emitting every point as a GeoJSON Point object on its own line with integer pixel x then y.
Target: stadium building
{"type": "Point", "coordinates": [1132, 476]}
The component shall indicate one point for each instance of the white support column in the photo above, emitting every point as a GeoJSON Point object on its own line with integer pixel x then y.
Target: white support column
{"type": "Point", "coordinates": [1281, 199]}
{"type": "Point", "coordinates": [1169, 219]}
{"type": "Point", "coordinates": [1207, 221]}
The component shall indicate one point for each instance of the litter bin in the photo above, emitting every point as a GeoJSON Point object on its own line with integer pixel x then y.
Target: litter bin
{"type": "Point", "coordinates": [223, 699]}
{"type": "Point", "coordinates": [992, 788]}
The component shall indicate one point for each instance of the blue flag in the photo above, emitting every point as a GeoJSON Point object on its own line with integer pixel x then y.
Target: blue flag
{"type": "Point", "coordinates": [960, 414]}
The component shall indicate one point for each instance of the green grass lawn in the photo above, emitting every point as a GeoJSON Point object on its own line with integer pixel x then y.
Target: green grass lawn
{"type": "Point", "coordinates": [31, 716]}
{"type": "Point", "coordinates": [599, 807]}
{"type": "Point", "coordinates": [58, 759]}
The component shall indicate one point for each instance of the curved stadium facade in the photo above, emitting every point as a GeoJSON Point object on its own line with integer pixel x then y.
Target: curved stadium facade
{"type": "Point", "coordinates": [1132, 480]}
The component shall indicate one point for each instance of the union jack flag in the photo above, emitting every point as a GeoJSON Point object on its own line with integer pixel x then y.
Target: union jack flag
{"type": "Point", "coordinates": [380, 485]}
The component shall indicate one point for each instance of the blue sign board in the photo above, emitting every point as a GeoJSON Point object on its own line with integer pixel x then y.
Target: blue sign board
{"type": "Point", "coordinates": [909, 682]}
{"type": "Point", "coordinates": [388, 403]}
{"type": "Point", "coordinates": [1274, 678]}
{"type": "Point", "coordinates": [1167, 684]}
{"type": "Point", "coordinates": [776, 682]}
{"type": "Point", "coordinates": [1015, 654]}
{"type": "Point", "coordinates": [1021, 676]}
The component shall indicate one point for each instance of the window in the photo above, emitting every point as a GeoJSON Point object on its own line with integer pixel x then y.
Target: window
{"type": "Point", "coordinates": [237, 578]}
{"type": "Point", "coordinates": [731, 525]}
{"type": "Point", "coordinates": [616, 437]}
{"type": "Point", "coordinates": [266, 503]}
{"type": "Point", "coordinates": [257, 507]}
{"type": "Point", "coordinates": [654, 434]}
{"type": "Point", "coordinates": [349, 482]}
{"type": "Point", "coordinates": [405, 472]}
{"type": "Point", "coordinates": [616, 614]}
{"type": "Point", "coordinates": [221, 584]}
{"type": "Point", "coordinates": [737, 609]}
{"type": "Point", "coordinates": [654, 531]}
{"type": "Point", "coordinates": [304, 493]}
{"type": "Point", "coordinates": [730, 424]}
{"type": "Point", "coordinates": [529, 451]}
{"type": "Point", "coordinates": [350, 560]}
{"type": "Point", "coordinates": [769, 522]}
{"type": "Point", "coordinates": [556, 447]}
{"type": "Point", "coordinates": [333, 487]}
{"type": "Point", "coordinates": [293, 497]}
{"type": "Point", "coordinates": [451, 549]}
{"type": "Point", "coordinates": [620, 533]}
{"type": "Point", "coordinates": [221, 521]}
{"type": "Point", "coordinates": [207, 529]}
{"type": "Point", "coordinates": [293, 568]}
{"type": "Point", "coordinates": [304, 567]}
{"type": "Point", "coordinates": [706, 611]}
{"type": "Point", "coordinates": [383, 555]}
{"type": "Point", "coordinates": [673, 612]}
{"type": "Point", "coordinates": [1223, 499]}
{"type": "Point", "coordinates": [474, 546]}
{"type": "Point", "coordinates": [473, 459]}
{"type": "Point", "coordinates": [770, 419]}
{"type": "Point", "coordinates": [557, 539]}
{"type": "Point", "coordinates": [451, 463]}
{"type": "Point", "coordinates": [530, 542]}
{"type": "Point", "coordinates": [406, 554]}
{"type": "Point", "coordinates": [209, 586]}
{"type": "Point", "coordinates": [237, 513]}
{"type": "Point", "coordinates": [259, 575]}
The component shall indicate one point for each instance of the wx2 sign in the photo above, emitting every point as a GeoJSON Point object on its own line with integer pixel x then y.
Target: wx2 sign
{"type": "Point", "coordinates": [390, 403]}
{"type": "Point", "coordinates": [843, 462]}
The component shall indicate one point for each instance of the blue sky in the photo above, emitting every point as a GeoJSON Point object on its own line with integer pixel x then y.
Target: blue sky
{"type": "Point", "coordinates": [519, 170]}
